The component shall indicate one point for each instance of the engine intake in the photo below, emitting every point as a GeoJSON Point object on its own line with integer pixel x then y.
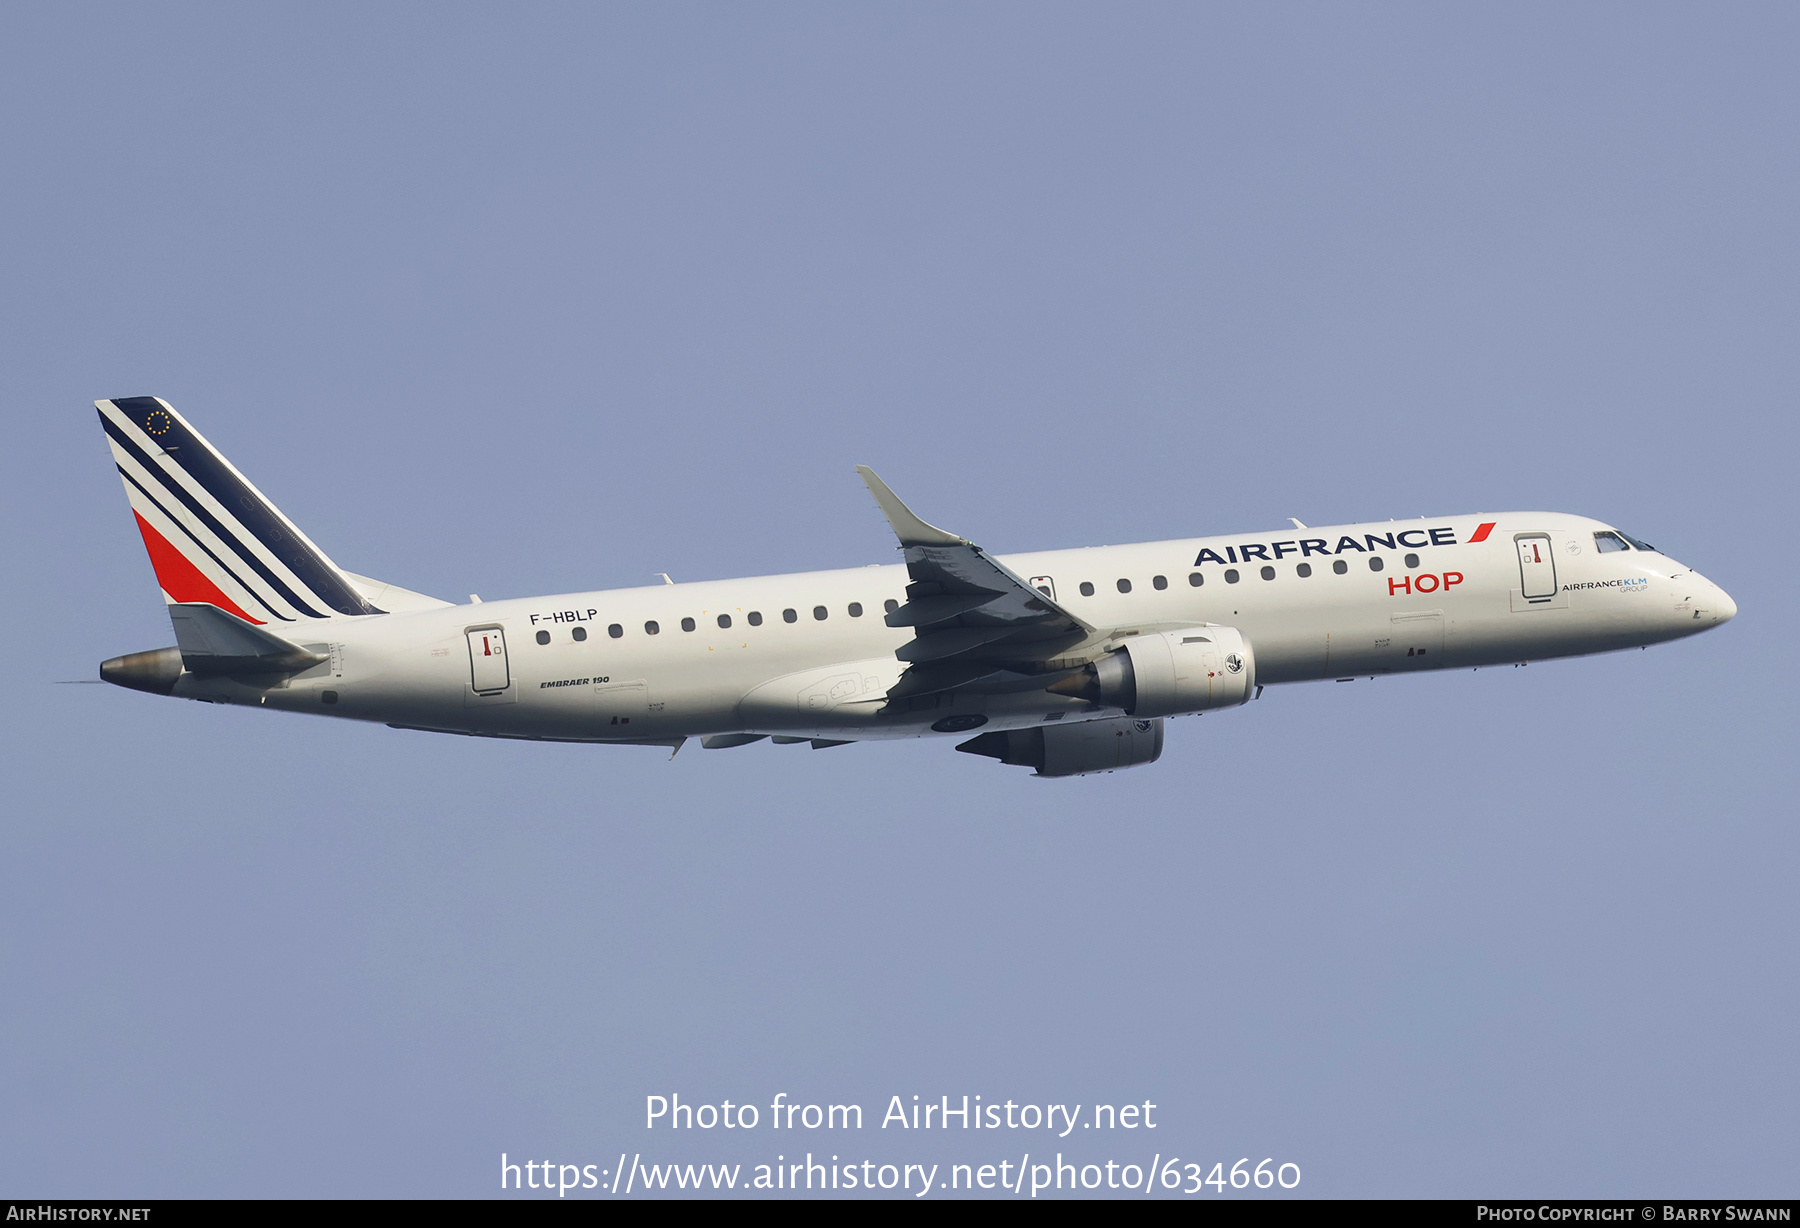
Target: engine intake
{"type": "Point", "coordinates": [1194, 670]}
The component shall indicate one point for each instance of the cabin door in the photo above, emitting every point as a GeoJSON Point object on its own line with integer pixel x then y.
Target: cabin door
{"type": "Point", "coordinates": [1537, 567]}
{"type": "Point", "coordinates": [488, 673]}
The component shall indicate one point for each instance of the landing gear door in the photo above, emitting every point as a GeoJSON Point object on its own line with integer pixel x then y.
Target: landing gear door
{"type": "Point", "coordinates": [1537, 567]}
{"type": "Point", "coordinates": [488, 672]}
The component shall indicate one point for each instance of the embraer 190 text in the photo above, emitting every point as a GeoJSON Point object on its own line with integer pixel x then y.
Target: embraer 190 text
{"type": "Point", "coordinates": [1067, 660]}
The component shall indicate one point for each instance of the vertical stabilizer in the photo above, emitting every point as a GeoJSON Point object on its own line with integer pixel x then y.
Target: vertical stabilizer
{"type": "Point", "coordinates": [212, 536]}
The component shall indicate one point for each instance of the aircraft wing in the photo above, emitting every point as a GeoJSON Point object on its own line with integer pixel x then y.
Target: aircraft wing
{"type": "Point", "coordinates": [976, 625]}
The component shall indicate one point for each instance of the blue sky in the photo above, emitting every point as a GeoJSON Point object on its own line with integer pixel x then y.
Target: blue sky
{"type": "Point", "coordinates": [528, 299]}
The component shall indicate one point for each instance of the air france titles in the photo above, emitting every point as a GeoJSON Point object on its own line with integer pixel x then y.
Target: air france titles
{"type": "Point", "coordinates": [1306, 547]}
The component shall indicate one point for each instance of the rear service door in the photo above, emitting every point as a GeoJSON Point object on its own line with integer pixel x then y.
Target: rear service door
{"type": "Point", "coordinates": [488, 674]}
{"type": "Point", "coordinates": [1537, 567]}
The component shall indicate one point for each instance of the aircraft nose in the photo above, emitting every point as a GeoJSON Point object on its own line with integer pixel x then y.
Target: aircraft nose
{"type": "Point", "coordinates": [1724, 608]}
{"type": "Point", "coordinates": [1700, 603]}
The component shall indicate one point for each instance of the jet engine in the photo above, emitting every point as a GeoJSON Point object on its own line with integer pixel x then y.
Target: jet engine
{"type": "Point", "coordinates": [1193, 670]}
{"type": "Point", "coordinates": [1073, 749]}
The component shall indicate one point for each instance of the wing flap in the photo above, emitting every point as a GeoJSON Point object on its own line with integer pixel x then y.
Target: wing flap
{"type": "Point", "coordinates": [923, 611]}
{"type": "Point", "coordinates": [935, 645]}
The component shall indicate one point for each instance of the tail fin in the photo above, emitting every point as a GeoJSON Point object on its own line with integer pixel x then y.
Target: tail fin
{"type": "Point", "coordinates": [212, 536]}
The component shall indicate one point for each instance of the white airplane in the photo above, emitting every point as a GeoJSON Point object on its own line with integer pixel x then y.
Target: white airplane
{"type": "Point", "coordinates": [1067, 660]}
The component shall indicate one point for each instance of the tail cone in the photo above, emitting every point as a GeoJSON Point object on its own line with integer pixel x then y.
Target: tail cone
{"type": "Point", "coordinates": [154, 671]}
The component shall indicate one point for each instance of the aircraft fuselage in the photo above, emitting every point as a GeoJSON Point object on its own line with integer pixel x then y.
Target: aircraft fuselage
{"type": "Point", "coordinates": [808, 655]}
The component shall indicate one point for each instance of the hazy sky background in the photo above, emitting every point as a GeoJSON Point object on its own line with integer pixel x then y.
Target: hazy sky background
{"type": "Point", "coordinates": [529, 298]}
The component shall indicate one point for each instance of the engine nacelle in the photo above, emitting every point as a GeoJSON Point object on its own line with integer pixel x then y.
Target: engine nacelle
{"type": "Point", "coordinates": [1194, 670]}
{"type": "Point", "coordinates": [1073, 749]}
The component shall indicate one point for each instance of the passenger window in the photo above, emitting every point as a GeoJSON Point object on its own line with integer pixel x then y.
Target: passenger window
{"type": "Point", "coordinates": [579, 634]}
{"type": "Point", "coordinates": [650, 628]}
{"type": "Point", "coordinates": [1608, 543]}
{"type": "Point", "coordinates": [890, 605]}
{"type": "Point", "coordinates": [1087, 590]}
{"type": "Point", "coordinates": [1303, 570]}
{"type": "Point", "coordinates": [1412, 561]}
{"type": "Point", "coordinates": [543, 637]}
{"type": "Point", "coordinates": [615, 631]}
{"type": "Point", "coordinates": [820, 613]}
{"type": "Point", "coordinates": [1375, 564]}
{"type": "Point", "coordinates": [788, 616]}
{"type": "Point", "coordinates": [1340, 567]}
{"type": "Point", "coordinates": [1159, 583]}
{"type": "Point", "coordinates": [1268, 573]}
{"type": "Point", "coordinates": [755, 617]}
{"type": "Point", "coordinates": [724, 621]}
{"type": "Point", "coordinates": [856, 609]}
{"type": "Point", "coordinates": [1196, 579]}
{"type": "Point", "coordinates": [687, 624]}
{"type": "Point", "coordinates": [1124, 586]}
{"type": "Point", "coordinates": [1231, 575]}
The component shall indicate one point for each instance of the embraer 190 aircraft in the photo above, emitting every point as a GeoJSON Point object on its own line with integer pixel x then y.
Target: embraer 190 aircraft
{"type": "Point", "coordinates": [1068, 661]}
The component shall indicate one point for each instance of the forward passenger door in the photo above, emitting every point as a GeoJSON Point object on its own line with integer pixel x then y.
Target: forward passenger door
{"type": "Point", "coordinates": [1537, 567]}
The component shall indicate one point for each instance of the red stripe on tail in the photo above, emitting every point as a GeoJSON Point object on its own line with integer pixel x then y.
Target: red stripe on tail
{"type": "Point", "coordinates": [1482, 532]}
{"type": "Point", "coordinates": [181, 579]}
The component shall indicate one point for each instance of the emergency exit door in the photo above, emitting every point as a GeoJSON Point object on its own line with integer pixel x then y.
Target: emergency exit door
{"type": "Point", "coordinates": [488, 673]}
{"type": "Point", "coordinates": [1537, 568]}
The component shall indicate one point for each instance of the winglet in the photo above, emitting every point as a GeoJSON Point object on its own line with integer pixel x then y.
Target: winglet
{"type": "Point", "coordinates": [907, 527]}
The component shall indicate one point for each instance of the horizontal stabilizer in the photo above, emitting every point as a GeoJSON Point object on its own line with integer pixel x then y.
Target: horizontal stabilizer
{"type": "Point", "coordinates": [214, 641]}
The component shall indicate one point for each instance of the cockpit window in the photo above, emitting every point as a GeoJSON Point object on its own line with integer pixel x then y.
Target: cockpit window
{"type": "Point", "coordinates": [1640, 545]}
{"type": "Point", "coordinates": [1607, 542]}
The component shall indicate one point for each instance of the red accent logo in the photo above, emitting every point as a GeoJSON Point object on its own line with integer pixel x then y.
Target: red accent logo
{"type": "Point", "coordinates": [1482, 532]}
{"type": "Point", "coordinates": [179, 578]}
{"type": "Point", "coordinates": [1429, 582]}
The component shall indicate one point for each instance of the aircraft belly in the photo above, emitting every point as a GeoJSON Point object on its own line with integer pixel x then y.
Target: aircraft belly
{"type": "Point", "coordinates": [841, 696]}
